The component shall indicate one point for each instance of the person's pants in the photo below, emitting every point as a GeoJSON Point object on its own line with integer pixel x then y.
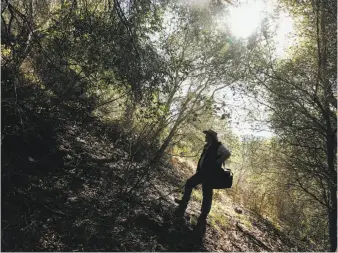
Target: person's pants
{"type": "Point", "coordinates": [207, 194]}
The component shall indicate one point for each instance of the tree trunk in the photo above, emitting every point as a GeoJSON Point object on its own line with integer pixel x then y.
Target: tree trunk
{"type": "Point", "coordinates": [163, 120]}
{"type": "Point", "coordinates": [167, 140]}
{"type": "Point", "coordinates": [333, 220]}
{"type": "Point", "coordinates": [129, 113]}
{"type": "Point", "coordinates": [330, 134]}
{"type": "Point", "coordinates": [331, 147]}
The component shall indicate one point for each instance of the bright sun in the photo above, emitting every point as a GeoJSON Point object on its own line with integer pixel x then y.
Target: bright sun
{"type": "Point", "coordinates": [244, 19]}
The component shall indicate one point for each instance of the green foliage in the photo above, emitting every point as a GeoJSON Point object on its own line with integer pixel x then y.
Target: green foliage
{"type": "Point", "coordinates": [123, 64]}
{"type": "Point", "coordinates": [197, 196]}
{"type": "Point", "coordinates": [300, 93]}
{"type": "Point", "coordinates": [219, 221]}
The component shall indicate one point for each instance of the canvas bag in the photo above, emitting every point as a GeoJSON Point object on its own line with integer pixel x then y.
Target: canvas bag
{"type": "Point", "coordinates": [222, 179]}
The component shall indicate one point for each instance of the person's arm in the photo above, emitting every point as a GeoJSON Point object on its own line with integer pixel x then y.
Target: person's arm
{"type": "Point", "coordinates": [223, 153]}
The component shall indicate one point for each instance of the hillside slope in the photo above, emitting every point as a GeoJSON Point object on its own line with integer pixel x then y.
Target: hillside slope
{"type": "Point", "coordinates": [64, 189]}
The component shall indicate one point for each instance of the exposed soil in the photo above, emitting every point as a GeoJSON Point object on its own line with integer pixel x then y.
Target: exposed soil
{"type": "Point", "coordinates": [65, 179]}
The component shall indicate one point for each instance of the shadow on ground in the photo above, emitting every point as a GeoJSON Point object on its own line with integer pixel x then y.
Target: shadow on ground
{"type": "Point", "coordinates": [62, 188]}
{"type": "Point", "coordinates": [172, 234]}
{"type": "Point", "coordinates": [65, 178]}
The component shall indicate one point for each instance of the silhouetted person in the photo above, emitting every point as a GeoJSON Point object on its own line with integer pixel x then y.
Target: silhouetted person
{"type": "Point", "coordinates": [212, 157]}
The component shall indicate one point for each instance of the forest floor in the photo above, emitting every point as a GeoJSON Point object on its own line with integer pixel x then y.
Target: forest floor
{"type": "Point", "coordinates": [61, 191]}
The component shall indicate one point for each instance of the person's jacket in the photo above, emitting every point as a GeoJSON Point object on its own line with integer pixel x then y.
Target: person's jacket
{"type": "Point", "coordinates": [210, 160]}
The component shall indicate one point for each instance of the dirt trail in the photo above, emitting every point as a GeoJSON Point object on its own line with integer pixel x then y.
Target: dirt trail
{"type": "Point", "coordinates": [229, 226]}
{"type": "Point", "coordinates": [69, 199]}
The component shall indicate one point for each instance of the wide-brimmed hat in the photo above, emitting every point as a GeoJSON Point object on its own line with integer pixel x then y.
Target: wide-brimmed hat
{"type": "Point", "coordinates": [212, 133]}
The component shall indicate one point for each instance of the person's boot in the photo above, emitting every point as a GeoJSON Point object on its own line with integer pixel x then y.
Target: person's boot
{"type": "Point", "coordinates": [178, 201]}
{"type": "Point", "coordinates": [180, 210]}
{"type": "Point", "coordinates": [201, 225]}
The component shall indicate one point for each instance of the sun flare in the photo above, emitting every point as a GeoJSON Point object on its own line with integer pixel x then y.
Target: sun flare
{"type": "Point", "coordinates": [245, 19]}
